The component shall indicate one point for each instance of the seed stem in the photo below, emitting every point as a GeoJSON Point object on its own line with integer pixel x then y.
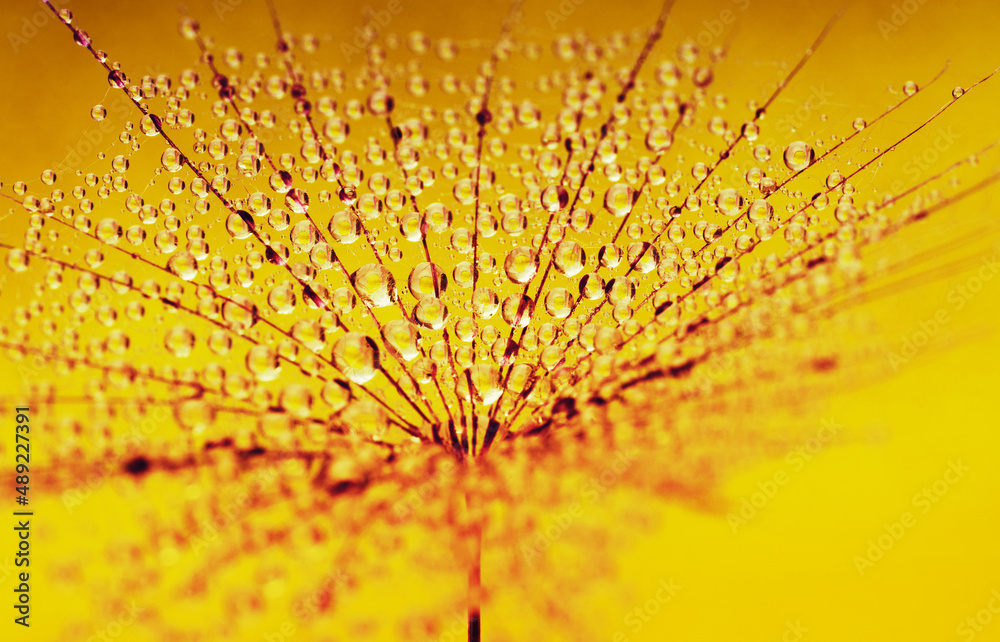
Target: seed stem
{"type": "Point", "coordinates": [475, 538]}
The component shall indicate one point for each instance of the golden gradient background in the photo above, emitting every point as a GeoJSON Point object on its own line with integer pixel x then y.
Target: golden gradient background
{"type": "Point", "coordinates": [794, 560]}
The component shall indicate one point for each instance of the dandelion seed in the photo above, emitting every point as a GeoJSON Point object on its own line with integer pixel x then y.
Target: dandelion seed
{"type": "Point", "coordinates": [358, 295]}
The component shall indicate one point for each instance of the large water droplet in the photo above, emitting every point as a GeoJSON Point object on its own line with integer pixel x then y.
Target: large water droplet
{"type": "Point", "coordinates": [799, 156]}
{"type": "Point", "coordinates": [356, 355]}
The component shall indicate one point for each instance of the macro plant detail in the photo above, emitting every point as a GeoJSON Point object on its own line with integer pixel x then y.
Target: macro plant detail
{"type": "Point", "coordinates": [343, 311]}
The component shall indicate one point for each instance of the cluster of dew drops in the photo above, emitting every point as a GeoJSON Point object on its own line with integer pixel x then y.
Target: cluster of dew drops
{"type": "Point", "coordinates": [353, 250]}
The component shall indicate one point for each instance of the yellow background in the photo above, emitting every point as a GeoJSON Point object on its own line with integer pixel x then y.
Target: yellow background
{"type": "Point", "coordinates": [794, 560]}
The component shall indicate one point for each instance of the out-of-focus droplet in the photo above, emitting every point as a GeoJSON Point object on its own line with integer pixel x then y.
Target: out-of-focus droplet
{"type": "Point", "coordinates": [184, 265]}
{"type": "Point", "coordinates": [179, 341]}
{"type": "Point", "coordinates": [17, 260]}
{"type": "Point", "coordinates": [659, 139]}
{"type": "Point", "coordinates": [401, 338]}
{"type": "Point", "coordinates": [356, 355]}
{"type": "Point", "coordinates": [337, 393]}
{"type": "Point", "coordinates": [263, 363]}
{"type": "Point", "coordinates": [282, 298]}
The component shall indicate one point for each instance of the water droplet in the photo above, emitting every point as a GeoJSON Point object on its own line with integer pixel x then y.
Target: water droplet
{"type": "Point", "coordinates": [521, 265]}
{"type": "Point", "coordinates": [554, 198]}
{"type": "Point", "coordinates": [282, 298]}
{"type": "Point", "coordinates": [117, 79]}
{"type": "Point", "coordinates": [184, 265]}
{"type": "Point", "coordinates": [517, 310]}
{"type": "Point", "coordinates": [17, 260]}
{"type": "Point", "coordinates": [375, 285]}
{"type": "Point", "coordinates": [659, 139]}
{"type": "Point", "coordinates": [559, 303]}
{"type": "Point", "coordinates": [179, 341]}
{"type": "Point", "coordinates": [356, 355]}
{"type": "Point", "coordinates": [610, 255]}
{"type": "Point", "coordinates": [240, 313]}
{"type": "Point", "coordinates": [262, 362]}
{"type": "Point", "coordinates": [798, 156]}
{"type": "Point", "coordinates": [485, 381]}
{"type": "Point", "coordinates": [430, 312]}
{"type": "Point", "coordinates": [569, 258]}
{"type": "Point", "coordinates": [619, 199]}
{"type": "Point", "coordinates": [337, 393]}
{"type": "Point", "coordinates": [729, 202]}
{"type": "Point", "coordinates": [427, 279]}
{"type": "Point", "coordinates": [345, 227]}
{"type": "Point", "coordinates": [109, 231]}
{"type": "Point", "coordinates": [401, 339]}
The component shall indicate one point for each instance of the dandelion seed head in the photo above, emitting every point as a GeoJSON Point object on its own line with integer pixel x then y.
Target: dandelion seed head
{"type": "Point", "coordinates": [406, 282]}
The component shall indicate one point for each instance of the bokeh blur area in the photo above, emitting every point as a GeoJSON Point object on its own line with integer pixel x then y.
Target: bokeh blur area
{"type": "Point", "coordinates": [875, 519]}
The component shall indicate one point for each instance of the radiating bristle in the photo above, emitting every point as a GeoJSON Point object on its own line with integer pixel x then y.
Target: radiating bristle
{"type": "Point", "coordinates": [372, 298]}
